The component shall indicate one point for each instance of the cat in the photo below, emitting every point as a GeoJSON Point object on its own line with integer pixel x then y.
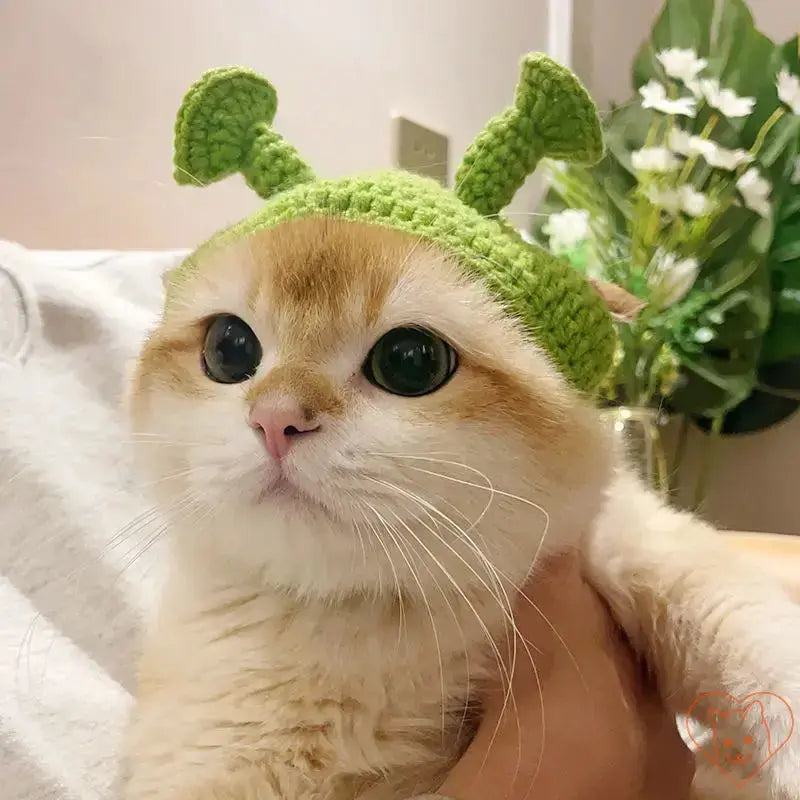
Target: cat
{"type": "Point", "coordinates": [361, 458]}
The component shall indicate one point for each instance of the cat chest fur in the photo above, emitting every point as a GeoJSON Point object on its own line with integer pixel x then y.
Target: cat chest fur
{"type": "Point", "coordinates": [312, 704]}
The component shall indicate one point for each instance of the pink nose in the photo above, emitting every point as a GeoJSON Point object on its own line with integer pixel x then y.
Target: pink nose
{"type": "Point", "coordinates": [280, 427]}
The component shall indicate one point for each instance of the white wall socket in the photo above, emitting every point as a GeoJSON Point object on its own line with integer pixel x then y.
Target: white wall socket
{"type": "Point", "coordinates": [419, 149]}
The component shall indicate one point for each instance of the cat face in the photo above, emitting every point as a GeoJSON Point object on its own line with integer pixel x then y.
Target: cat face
{"type": "Point", "coordinates": [733, 747]}
{"type": "Point", "coordinates": [336, 407]}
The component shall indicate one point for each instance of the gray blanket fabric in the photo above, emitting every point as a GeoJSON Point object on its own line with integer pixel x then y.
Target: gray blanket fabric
{"type": "Point", "coordinates": [73, 585]}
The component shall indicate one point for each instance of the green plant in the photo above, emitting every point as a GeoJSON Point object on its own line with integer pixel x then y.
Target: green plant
{"type": "Point", "coordinates": [696, 210]}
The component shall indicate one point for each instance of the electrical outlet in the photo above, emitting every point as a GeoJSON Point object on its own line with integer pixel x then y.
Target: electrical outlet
{"type": "Point", "coordinates": [419, 149]}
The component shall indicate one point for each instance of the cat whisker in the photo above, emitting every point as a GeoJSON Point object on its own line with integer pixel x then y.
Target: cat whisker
{"type": "Point", "coordinates": [401, 627]}
{"type": "Point", "coordinates": [357, 529]}
{"type": "Point", "coordinates": [544, 618]}
{"type": "Point", "coordinates": [513, 584]}
{"type": "Point", "coordinates": [142, 437]}
{"type": "Point", "coordinates": [189, 174]}
{"type": "Point", "coordinates": [165, 443]}
{"type": "Point", "coordinates": [500, 493]}
{"type": "Point", "coordinates": [489, 487]}
{"type": "Point", "coordinates": [420, 501]}
{"type": "Point", "coordinates": [505, 672]}
{"type": "Point", "coordinates": [499, 572]}
{"type": "Point", "coordinates": [25, 468]}
{"type": "Point", "coordinates": [133, 527]}
{"type": "Point", "coordinates": [389, 529]}
{"type": "Point", "coordinates": [508, 213]}
{"type": "Point", "coordinates": [506, 608]}
{"type": "Point", "coordinates": [193, 507]}
{"type": "Point", "coordinates": [460, 627]}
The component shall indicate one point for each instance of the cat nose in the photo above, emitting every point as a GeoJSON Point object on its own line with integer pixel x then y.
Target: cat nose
{"type": "Point", "coordinates": [281, 426]}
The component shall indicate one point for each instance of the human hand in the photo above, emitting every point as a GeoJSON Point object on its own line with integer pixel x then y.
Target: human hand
{"type": "Point", "coordinates": [585, 722]}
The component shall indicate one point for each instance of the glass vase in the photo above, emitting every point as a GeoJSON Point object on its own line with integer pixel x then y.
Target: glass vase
{"type": "Point", "coordinates": [639, 431]}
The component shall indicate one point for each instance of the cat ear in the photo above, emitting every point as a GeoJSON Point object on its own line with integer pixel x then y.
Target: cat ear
{"type": "Point", "coordinates": [552, 116]}
{"type": "Point", "coordinates": [223, 126]}
{"type": "Point", "coordinates": [622, 305]}
{"type": "Point", "coordinates": [713, 716]}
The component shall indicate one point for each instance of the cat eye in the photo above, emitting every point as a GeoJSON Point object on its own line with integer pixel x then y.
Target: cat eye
{"type": "Point", "coordinates": [231, 352]}
{"type": "Point", "coordinates": [410, 362]}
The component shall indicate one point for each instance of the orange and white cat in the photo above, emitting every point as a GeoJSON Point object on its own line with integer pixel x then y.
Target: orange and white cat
{"type": "Point", "coordinates": [360, 457]}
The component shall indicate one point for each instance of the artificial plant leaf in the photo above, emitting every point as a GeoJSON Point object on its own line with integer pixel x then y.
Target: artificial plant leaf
{"type": "Point", "coordinates": [727, 236]}
{"type": "Point", "coordinates": [626, 130]}
{"type": "Point", "coordinates": [551, 203]}
{"type": "Point", "coordinates": [758, 411]}
{"type": "Point", "coordinates": [711, 386]}
{"type": "Point", "coordinates": [783, 337]}
{"type": "Point", "coordinates": [766, 94]}
{"type": "Point", "coordinates": [776, 398]}
{"type": "Point", "coordinates": [787, 245]}
{"type": "Point", "coordinates": [723, 32]}
{"type": "Point", "coordinates": [791, 203]}
{"type": "Point", "coordinates": [782, 377]}
{"type": "Point", "coordinates": [602, 190]}
{"type": "Point", "coordinates": [718, 374]}
{"type": "Point", "coordinates": [782, 341]}
{"type": "Point", "coordinates": [682, 23]}
{"type": "Point", "coordinates": [720, 30]}
{"type": "Point", "coordinates": [736, 46]}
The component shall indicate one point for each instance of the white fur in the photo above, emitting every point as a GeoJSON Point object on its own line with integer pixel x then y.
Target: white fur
{"type": "Point", "coordinates": [283, 664]}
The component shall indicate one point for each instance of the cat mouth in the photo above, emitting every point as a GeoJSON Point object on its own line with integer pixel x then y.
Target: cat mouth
{"type": "Point", "coordinates": [738, 759]}
{"type": "Point", "coordinates": [282, 489]}
{"type": "Point", "coordinates": [286, 493]}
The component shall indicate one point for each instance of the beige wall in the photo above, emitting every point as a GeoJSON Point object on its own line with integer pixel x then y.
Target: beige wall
{"type": "Point", "coordinates": [89, 90]}
{"type": "Point", "coordinates": [755, 485]}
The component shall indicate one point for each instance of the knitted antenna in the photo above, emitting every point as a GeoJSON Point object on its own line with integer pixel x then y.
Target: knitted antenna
{"type": "Point", "coordinates": [224, 126]}
{"type": "Point", "coordinates": [552, 116]}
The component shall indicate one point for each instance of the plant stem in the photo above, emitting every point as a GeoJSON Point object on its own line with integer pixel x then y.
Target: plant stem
{"type": "Point", "coordinates": [680, 452]}
{"type": "Point", "coordinates": [765, 129]}
{"type": "Point", "coordinates": [788, 394]}
{"type": "Point", "coordinates": [703, 478]}
{"type": "Point", "coordinates": [692, 160]}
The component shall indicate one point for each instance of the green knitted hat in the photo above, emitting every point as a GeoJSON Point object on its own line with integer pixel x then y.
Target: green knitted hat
{"type": "Point", "coordinates": [223, 126]}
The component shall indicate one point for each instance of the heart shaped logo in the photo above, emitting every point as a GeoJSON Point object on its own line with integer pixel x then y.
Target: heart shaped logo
{"type": "Point", "coordinates": [739, 729]}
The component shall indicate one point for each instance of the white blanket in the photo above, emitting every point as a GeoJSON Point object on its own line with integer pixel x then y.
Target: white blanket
{"type": "Point", "coordinates": [72, 522]}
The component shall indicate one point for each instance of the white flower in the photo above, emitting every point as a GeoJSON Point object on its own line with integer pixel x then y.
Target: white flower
{"type": "Point", "coordinates": [796, 174]}
{"type": "Point", "coordinates": [654, 159]}
{"type": "Point", "coordinates": [694, 88]}
{"type": "Point", "coordinates": [654, 95]}
{"type": "Point", "coordinates": [681, 64]}
{"type": "Point", "coordinates": [668, 199]}
{"type": "Point", "coordinates": [789, 90]}
{"type": "Point", "coordinates": [526, 236]}
{"type": "Point", "coordinates": [755, 192]}
{"type": "Point", "coordinates": [670, 278]}
{"type": "Point", "coordinates": [693, 203]}
{"type": "Point", "coordinates": [681, 141]}
{"type": "Point", "coordinates": [727, 159]}
{"type": "Point", "coordinates": [703, 335]}
{"type": "Point", "coordinates": [686, 198]}
{"type": "Point", "coordinates": [567, 229]}
{"type": "Point", "coordinates": [726, 100]}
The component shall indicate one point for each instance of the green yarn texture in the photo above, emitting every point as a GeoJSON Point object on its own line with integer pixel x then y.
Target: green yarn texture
{"type": "Point", "coordinates": [552, 116]}
{"type": "Point", "coordinates": [224, 127]}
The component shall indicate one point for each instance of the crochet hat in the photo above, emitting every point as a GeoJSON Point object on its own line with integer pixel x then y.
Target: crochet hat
{"type": "Point", "coordinates": [223, 126]}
